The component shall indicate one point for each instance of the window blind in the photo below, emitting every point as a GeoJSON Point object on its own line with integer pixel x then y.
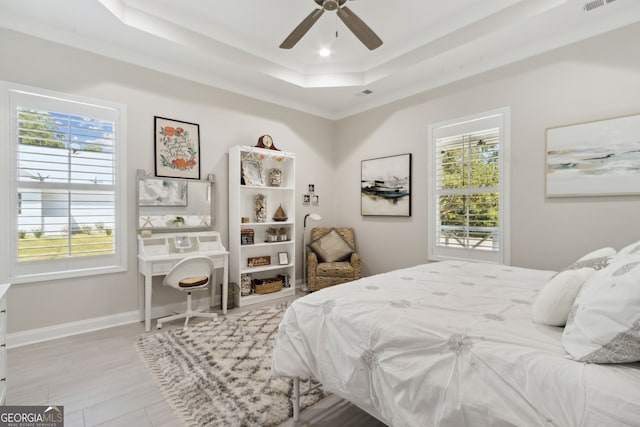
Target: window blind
{"type": "Point", "coordinates": [66, 170]}
{"type": "Point", "coordinates": [468, 188]}
{"type": "Point", "coordinates": [65, 177]}
{"type": "Point", "coordinates": [468, 198]}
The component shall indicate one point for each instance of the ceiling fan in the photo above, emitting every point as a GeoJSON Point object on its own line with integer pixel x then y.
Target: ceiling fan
{"type": "Point", "coordinates": [350, 19]}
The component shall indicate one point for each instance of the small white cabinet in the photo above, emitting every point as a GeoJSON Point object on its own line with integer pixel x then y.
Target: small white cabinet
{"type": "Point", "coordinates": [3, 343]}
{"type": "Point", "coordinates": [270, 176]}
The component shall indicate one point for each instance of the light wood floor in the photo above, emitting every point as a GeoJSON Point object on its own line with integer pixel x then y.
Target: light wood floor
{"type": "Point", "coordinates": [100, 380]}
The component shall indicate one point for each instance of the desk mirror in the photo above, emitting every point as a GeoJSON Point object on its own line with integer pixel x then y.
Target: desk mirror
{"type": "Point", "coordinates": [169, 204]}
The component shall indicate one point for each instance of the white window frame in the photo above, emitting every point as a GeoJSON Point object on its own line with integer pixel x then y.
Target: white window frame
{"type": "Point", "coordinates": [500, 118]}
{"type": "Point", "coordinates": [45, 270]}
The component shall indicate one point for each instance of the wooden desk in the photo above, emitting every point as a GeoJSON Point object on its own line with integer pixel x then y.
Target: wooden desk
{"type": "Point", "coordinates": [158, 254]}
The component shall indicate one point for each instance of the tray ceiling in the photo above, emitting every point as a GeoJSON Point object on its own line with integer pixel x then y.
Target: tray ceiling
{"type": "Point", "coordinates": [233, 45]}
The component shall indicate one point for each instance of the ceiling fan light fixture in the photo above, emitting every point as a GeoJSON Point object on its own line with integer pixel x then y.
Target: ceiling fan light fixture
{"type": "Point", "coordinates": [346, 15]}
{"type": "Point", "coordinates": [330, 5]}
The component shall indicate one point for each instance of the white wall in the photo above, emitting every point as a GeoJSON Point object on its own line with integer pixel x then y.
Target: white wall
{"type": "Point", "coordinates": [592, 80]}
{"type": "Point", "coordinates": [225, 120]}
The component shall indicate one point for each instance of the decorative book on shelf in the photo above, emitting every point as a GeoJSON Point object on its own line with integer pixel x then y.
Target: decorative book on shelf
{"type": "Point", "coordinates": [247, 236]}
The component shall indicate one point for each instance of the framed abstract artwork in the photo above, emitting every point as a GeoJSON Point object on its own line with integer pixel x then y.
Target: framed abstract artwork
{"type": "Point", "coordinates": [177, 148]}
{"type": "Point", "coordinates": [385, 186]}
{"type": "Point", "coordinates": [599, 158]}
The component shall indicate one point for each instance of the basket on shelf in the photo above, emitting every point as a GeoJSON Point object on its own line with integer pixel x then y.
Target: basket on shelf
{"type": "Point", "coordinates": [266, 286]}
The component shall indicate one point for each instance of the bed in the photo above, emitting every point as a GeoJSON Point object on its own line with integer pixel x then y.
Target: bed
{"type": "Point", "coordinates": [450, 344]}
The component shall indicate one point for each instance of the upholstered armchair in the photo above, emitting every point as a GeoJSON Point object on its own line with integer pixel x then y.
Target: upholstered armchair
{"type": "Point", "coordinates": [332, 257]}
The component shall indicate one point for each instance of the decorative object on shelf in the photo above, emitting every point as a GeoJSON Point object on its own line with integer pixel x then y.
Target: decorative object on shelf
{"type": "Point", "coordinates": [275, 177]}
{"type": "Point", "coordinates": [146, 232]}
{"type": "Point", "coordinates": [267, 286]}
{"type": "Point", "coordinates": [286, 280]}
{"type": "Point", "coordinates": [178, 221]}
{"type": "Point", "coordinates": [177, 148]}
{"type": "Point", "coordinates": [247, 236]}
{"type": "Point", "coordinates": [315, 217]}
{"type": "Point", "coordinates": [261, 208]}
{"type": "Point", "coordinates": [283, 234]}
{"type": "Point", "coordinates": [258, 261]}
{"type": "Point", "coordinates": [272, 234]}
{"type": "Point", "coordinates": [283, 258]}
{"type": "Point", "coordinates": [599, 158]}
{"type": "Point", "coordinates": [252, 172]}
{"type": "Point", "coordinates": [385, 186]}
{"type": "Point", "coordinates": [280, 214]}
{"type": "Point", "coordinates": [265, 141]}
{"type": "Point", "coordinates": [244, 219]}
{"type": "Point", "coordinates": [245, 285]}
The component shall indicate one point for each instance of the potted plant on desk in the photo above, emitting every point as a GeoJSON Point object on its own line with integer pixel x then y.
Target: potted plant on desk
{"type": "Point", "coordinates": [178, 221]}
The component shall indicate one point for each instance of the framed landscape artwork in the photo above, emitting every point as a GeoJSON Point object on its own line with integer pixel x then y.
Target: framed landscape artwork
{"type": "Point", "coordinates": [600, 158]}
{"type": "Point", "coordinates": [385, 186]}
{"type": "Point", "coordinates": [177, 148]}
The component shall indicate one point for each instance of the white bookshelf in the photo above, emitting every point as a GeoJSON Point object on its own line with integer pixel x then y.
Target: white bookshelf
{"type": "Point", "coordinates": [242, 204]}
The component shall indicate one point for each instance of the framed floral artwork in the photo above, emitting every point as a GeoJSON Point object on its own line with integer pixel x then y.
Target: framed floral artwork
{"type": "Point", "coordinates": [177, 148]}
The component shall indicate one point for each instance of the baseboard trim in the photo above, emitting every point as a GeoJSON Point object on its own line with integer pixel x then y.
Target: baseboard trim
{"type": "Point", "coordinates": [33, 336]}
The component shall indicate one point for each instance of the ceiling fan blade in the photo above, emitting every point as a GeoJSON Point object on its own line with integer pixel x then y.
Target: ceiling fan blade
{"type": "Point", "coordinates": [359, 28]}
{"type": "Point", "coordinates": [301, 29]}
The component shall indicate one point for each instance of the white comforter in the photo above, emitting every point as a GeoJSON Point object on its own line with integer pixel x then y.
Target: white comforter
{"type": "Point", "coordinates": [450, 344]}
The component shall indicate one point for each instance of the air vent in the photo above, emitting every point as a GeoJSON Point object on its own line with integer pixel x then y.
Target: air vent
{"type": "Point", "coordinates": [594, 4]}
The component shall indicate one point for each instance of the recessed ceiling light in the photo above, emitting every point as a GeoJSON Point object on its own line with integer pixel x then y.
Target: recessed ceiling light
{"type": "Point", "coordinates": [324, 52]}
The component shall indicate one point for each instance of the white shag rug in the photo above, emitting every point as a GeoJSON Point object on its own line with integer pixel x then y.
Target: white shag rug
{"type": "Point", "coordinates": [218, 372]}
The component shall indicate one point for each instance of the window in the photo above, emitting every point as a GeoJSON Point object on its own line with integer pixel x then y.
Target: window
{"type": "Point", "coordinates": [468, 194]}
{"type": "Point", "coordinates": [65, 216]}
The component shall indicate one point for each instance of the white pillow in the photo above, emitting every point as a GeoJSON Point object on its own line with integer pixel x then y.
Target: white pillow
{"type": "Point", "coordinates": [599, 253]}
{"type": "Point", "coordinates": [604, 322]}
{"type": "Point", "coordinates": [632, 249]}
{"type": "Point", "coordinates": [554, 302]}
